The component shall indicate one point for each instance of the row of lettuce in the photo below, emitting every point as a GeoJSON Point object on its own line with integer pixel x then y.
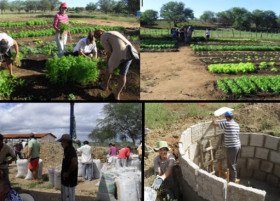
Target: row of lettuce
{"type": "Point", "coordinates": [51, 32]}
{"type": "Point", "coordinates": [240, 67]}
{"type": "Point", "coordinates": [244, 84]}
{"type": "Point", "coordinates": [33, 22]}
{"type": "Point", "coordinates": [235, 48]}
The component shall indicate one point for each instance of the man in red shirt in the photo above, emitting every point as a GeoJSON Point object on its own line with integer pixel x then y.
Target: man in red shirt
{"type": "Point", "coordinates": [124, 155]}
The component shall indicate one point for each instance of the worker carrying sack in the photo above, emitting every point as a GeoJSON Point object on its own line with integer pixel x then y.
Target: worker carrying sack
{"type": "Point", "coordinates": [132, 51]}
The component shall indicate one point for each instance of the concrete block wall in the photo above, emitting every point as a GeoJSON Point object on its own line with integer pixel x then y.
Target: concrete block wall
{"type": "Point", "coordinates": [259, 159]}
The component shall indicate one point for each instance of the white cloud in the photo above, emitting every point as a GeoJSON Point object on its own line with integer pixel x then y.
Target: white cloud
{"type": "Point", "coordinates": [48, 117]}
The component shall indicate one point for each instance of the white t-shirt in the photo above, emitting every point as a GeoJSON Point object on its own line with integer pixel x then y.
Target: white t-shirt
{"type": "Point", "coordinates": [207, 33]}
{"type": "Point", "coordinates": [82, 45]}
{"type": "Point", "coordinates": [86, 154]}
{"type": "Point", "coordinates": [8, 38]}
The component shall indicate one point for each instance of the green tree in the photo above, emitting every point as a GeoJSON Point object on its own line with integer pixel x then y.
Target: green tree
{"type": "Point", "coordinates": [242, 18]}
{"type": "Point", "coordinates": [101, 134]}
{"type": "Point", "coordinates": [149, 16]}
{"type": "Point", "coordinates": [20, 5]}
{"type": "Point", "coordinates": [54, 4]}
{"type": "Point", "coordinates": [13, 6]}
{"type": "Point", "coordinates": [132, 6]}
{"type": "Point", "coordinates": [119, 8]}
{"type": "Point", "coordinates": [258, 18]}
{"type": "Point", "coordinates": [270, 19]}
{"type": "Point", "coordinates": [123, 119]}
{"type": "Point", "coordinates": [44, 5]}
{"type": "Point", "coordinates": [79, 9]}
{"type": "Point", "coordinates": [4, 5]}
{"type": "Point", "coordinates": [207, 15]}
{"type": "Point", "coordinates": [91, 7]}
{"type": "Point", "coordinates": [226, 18]}
{"type": "Point", "coordinates": [176, 12]}
{"type": "Point", "coordinates": [106, 5]}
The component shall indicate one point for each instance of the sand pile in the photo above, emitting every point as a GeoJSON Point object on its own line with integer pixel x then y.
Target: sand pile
{"type": "Point", "coordinates": [50, 153]}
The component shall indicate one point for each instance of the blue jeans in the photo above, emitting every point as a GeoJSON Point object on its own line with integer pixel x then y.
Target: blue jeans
{"type": "Point", "coordinates": [124, 66]}
{"type": "Point", "coordinates": [87, 167]}
{"type": "Point", "coordinates": [186, 37]}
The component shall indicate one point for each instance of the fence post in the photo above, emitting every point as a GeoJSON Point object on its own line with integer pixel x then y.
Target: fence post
{"type": "Point", "coordinates": [245, 33]}
{"type": "Point", "coordinates": [267, 34]}
{"type": "Point", "coordinates": [271, 34]}
{"type": "Point", "coordinates": [200, 31]}
{"type": "Point", "coordinates": [261, 34]}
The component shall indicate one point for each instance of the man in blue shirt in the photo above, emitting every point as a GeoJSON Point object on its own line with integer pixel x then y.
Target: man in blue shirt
{"type": "Point", "coordinates": [232, 143]}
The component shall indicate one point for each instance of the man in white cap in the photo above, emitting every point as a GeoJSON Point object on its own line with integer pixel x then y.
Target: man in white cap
{"type": "Point", "coordinates": [232, 143]}
{"type": "Point", "coordinates": [69, 172]}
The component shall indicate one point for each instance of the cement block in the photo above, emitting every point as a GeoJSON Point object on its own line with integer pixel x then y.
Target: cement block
{"type": "Point", "coordinates": [241, 163]}
{"type": "Point", "coordinates": [244, 139]}
{"type": "Point", "coordinates": [220, 153]}
{"type": "Point", "coordinates": [208, 129]}
{"type": "Point", "coordinates": [189, 171]}
{"type": "Point", "coordinates": [262, 153]}
{"type": "Point", "coordinates": [271, 142]}
{"type": "Point", "coordinates": [274, 157]}
{"type": "Point", "coordinates": [238, 192]}
{"type": "Point", "coordinates": [196, 132]}
{"type": "Point", "coordinates": [253, 163]}
{"type": "Point", "coordinates": [276, 171]}
{"type": "Point", "coordinates": [182, 138]}
{"type": "Point", "coordinates": [210, 187]}
{"type": "Point", "coordinates": [187, 138]}
{"type": "Point", "coordinates": [216, 141]}
{"type": "Point", "coordinates": [247, 152]}
{"type": "Point", "coordinates": [259, 175]}
{"type": "Point", "coordinates": [272, 180]}
{"type": "Point", "coordinates": [193, 151]}
{"type": "Point", "coordinates": [266, 166]}
{"type": "Point", "coordinates": [246, 173]}
{"type": "Point", "coordinates": [256, 140]}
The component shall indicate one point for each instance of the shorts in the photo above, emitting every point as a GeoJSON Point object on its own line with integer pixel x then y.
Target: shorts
{"type": "Point", "coordinates": [7, 55]}
{"type": "Point", "coordinates": [34, 163]}
{"type": "Point", "coordinates": [124, 66]}
{"type": "Point", "coordinates": [207, 36]}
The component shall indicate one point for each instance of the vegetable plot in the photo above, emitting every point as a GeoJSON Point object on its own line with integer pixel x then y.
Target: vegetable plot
{"type": "Point", "coordinates": [79, 69]}
{"type": "Point", "coordinates": [240, 48]}
{"type": "Point", "coordinates": [265, 84]}
{"type": "Point", "coordinates": [51, 32]}
{"type": "Point", "coordinates": [232, 68]}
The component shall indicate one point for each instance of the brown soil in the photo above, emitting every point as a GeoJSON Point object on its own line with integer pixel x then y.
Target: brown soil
{"type": "Point", "coordinates": [250, 116]}
{"type": "Point", "coordinates": [183, 76]}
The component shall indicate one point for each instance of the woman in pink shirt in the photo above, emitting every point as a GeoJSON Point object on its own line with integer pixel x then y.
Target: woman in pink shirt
{"type": "Point", "coordinates": [59, 18]}
{"type": "Point", "coordinates": [113, 150]}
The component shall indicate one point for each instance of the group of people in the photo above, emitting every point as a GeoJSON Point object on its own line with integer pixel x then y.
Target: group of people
{"type": "Point", "coordinates": [116, 46]}
{"type": "Point", "coordinates": [164, 163]}
{"type": "Point", "coordinates": [182, 33]}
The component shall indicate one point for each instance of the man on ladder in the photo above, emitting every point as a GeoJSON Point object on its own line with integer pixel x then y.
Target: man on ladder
{"type": "Point", "coordinates": [232, 143]}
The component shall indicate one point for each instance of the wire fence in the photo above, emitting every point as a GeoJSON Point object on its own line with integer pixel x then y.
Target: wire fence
{"type": "Point", "coordinates": [215, 33]}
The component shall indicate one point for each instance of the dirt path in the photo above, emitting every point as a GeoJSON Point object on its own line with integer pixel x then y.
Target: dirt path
{"type": "Point", "coordinates": [182, 76]}
{"type": "Point", "coordinates": [85, 191]}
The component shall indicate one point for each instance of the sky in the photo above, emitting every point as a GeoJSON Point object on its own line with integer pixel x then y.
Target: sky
{"type": "Point", "coordinates": [19, 118]}
{"type": "Point", "coordinates": [80, 3]}
{"type": "Point", "coordinates": [216, 5]}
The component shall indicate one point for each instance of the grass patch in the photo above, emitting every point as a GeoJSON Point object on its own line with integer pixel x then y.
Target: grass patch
{"type": "Point", "coordinates": [157, 116]}
{"type": "Point", "coordinates": [266, 124]}
{"type": "Point", "coordinates": [49, 186]}
{"type": "Point", "coordinates": [276, 132]}
{"type": "Point", "coordinates": [32, 184]}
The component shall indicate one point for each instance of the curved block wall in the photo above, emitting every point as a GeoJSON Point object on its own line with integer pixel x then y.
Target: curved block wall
{"type": "Point", "coordinates": [259, 159]}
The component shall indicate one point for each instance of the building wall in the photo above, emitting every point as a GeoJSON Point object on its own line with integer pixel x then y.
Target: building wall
{"type": "Point", "coordinates": [259, 159]}
{"type": "Point", "coordinates": [48, 138]}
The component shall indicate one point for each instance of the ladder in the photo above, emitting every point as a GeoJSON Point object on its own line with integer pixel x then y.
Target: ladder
{"type": "Point", "coordinates": [210, 163]}
{"type": "Point", "coordinates": [224, 173]}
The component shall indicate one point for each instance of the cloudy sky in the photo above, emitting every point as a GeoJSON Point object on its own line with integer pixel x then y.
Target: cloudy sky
{"type": "Point", "coordinates": [18, 118]}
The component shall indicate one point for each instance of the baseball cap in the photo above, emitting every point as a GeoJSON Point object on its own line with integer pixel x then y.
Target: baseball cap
{"type": "Point", "coordinates": [31, 135]}
{"type": "Point", "coordinates": [65, 137]}
{"type": "Point", "coordinates": [228, 113]}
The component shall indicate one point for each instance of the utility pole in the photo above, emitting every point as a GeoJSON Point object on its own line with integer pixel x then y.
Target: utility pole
{"type": "Point", "coordinates": [71, 118]}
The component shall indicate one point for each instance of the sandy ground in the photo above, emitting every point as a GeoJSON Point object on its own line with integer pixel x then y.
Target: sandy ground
{"type": "Point", "coordinates": [85, 191]}
{"type": "Point", "coordinates": [178, 76]}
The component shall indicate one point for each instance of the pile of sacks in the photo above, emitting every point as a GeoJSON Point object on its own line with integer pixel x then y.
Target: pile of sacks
{"type": "Point", "coordinates": [55, 173]}
{"type": "Point", "coordinates": [120, 183]}
{"type": "Point", "coordinates": [24, 172]}
{"type": "Point", "coordinates": [133, 161]}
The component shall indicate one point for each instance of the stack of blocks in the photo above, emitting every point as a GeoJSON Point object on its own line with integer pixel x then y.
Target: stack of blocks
{"type": "Point", "coordinates": [259, 159]}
